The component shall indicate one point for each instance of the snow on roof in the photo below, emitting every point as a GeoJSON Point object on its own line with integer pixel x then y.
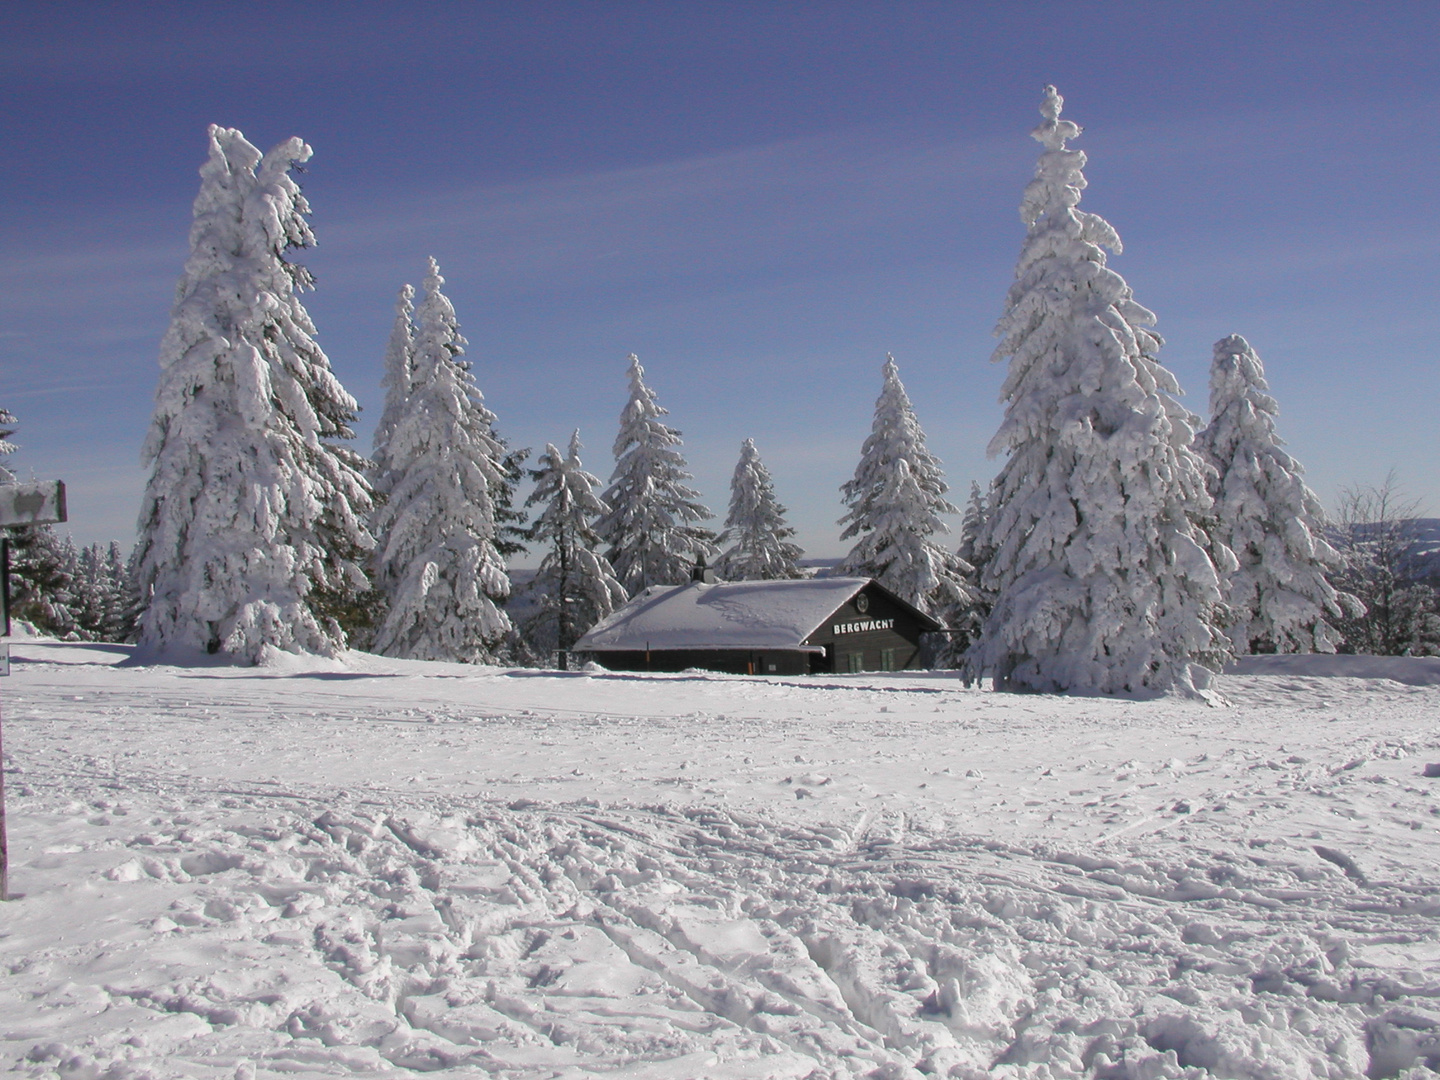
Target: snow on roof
{"type": "Point", "coordinates": [725, 615]}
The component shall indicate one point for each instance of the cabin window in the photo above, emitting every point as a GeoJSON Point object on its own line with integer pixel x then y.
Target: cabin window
{"type": "Point", "coordinates": [852, 662]}
{"type": "Point", "coordinates": [887, 659]}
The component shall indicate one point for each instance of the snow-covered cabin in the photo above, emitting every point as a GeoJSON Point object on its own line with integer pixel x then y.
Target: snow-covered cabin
{"type": "Point", "coordinates": [838, 624]}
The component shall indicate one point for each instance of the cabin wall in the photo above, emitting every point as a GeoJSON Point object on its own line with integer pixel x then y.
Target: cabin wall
{"type": "Point", "coordinates": [733, 661]}
{"type": "Point", "coordinates": [869, 634]}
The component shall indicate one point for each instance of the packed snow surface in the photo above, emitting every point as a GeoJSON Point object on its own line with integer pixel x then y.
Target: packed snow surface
{"type": "Point", "coordinates": [377, 868]}
{"type": "Point", "coordinates": [727, 614]}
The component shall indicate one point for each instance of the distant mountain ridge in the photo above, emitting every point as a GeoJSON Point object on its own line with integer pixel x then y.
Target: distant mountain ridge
{"type": "Point", "coordinates": [1426, 548]}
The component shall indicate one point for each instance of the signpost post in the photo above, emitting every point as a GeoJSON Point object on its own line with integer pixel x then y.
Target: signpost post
{"type": "Point", "coordinates": [20, 504]}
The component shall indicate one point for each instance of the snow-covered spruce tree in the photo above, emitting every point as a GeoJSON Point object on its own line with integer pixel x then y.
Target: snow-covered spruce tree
{"type": "Point", "coordinates": [252, 525]}
{"type": "Point", "coordinates": [42, 579]}
{"type": "Point", "coordinates": [756, 539]}
{"type": "Point", "coordinates": [104, 604]}
{"type": "Point", "coordinates": [399, 360]}
{"type": "Point", "coordinates": [122, 602]}
{"type": "Point", "coordinates": [437, 566]}
{"type": "Point", "coordinates": [1278, 597]}
{"type": "Point", "coordinates": [575, 586]}
{"type": "Point", "coordinates": [965, 621]}
{"type": "Point", "coordinates": [650, 531]}
{"type": "Point", "coordinates": [399, 363]}
{"type": "Point", "coordinates": [511, 528]}
{"type": "Point", "coordinates": [42, 566]}
{"type": "Point", "coordinates": [125, 620]}
{"type": "Point", "coordinates": [972, 527]}
{"type": "Point", "coordinates": [895, 500]}
{"type": "Point", "coordinates": [91, 591]}
{"type": "Point", "coordinates": [1101, 576]}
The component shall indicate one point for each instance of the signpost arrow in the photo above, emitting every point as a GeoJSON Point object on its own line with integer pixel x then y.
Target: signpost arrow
{"type": "Point", "coordinates": [20, 504]}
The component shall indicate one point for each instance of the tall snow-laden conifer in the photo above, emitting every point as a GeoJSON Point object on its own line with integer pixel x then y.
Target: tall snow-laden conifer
{"type": "Point", "coordinates": [972, 525]}
{"type": "Point", "coordinates": [252, 525]}
{"type": "Point", "coordinates": [651, 532]}
{"type": "Point", "coordinates": [1278, 597]}
{"type": "Point", "coordinates": [895, 500]}
{"type": "Point", "coordinates": [399, 360]}
{"type": "Point", "coordinates": [103, 597]}
{"type": "Point", "coordinates": [1101, 576]}
{"type": "Point", "coordinates": [437, 564]}
{"type": "Point", "coordinates": [511, 532]}
{"type": "Point", "coordinates": [965, 621]}
{"type": "Point", "coordinates": [42, 579]}
{"type": "Point", "coordinates": [122, 604]}
{"type": "Point", "coordinates": [91, 592]}
{"type": "Point", "coordinates": [756, 539]}
{"type": "Point", "coordinates": [576, 586]}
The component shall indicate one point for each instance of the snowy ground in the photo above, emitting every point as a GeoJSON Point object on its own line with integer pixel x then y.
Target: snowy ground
{"type": "Point", "coordinates": [386, 868]}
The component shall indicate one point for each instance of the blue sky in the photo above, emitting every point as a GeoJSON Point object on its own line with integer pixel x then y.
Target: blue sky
{"type": "Point", "coordinates": [761, 200]}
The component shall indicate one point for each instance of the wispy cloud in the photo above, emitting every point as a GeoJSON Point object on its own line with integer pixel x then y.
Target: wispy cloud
{"type": "Point", "coordinates": [765, 282]}
{"type": "Point", "coordinates": [785, 207]}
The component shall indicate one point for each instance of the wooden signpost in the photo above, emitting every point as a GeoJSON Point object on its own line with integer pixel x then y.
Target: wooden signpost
{"type": "Point", "coordinates": [20, 504]}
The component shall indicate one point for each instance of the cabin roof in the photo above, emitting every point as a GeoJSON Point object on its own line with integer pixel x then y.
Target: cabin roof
{"type": "Point", "coordinates": [729, 615]}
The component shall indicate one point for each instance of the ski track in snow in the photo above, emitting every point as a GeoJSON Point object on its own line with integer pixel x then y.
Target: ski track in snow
{"type": "Point", "coordinates": [403, 868]}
